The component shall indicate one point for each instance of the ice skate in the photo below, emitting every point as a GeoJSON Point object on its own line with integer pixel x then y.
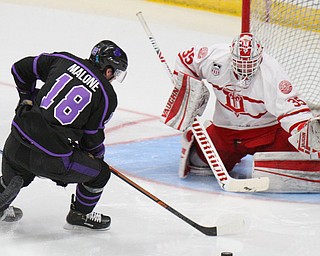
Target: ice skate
{"type": "Point", "coordinates": [11, 214]}
{"type": "Point", "coordinates": [95, 221]}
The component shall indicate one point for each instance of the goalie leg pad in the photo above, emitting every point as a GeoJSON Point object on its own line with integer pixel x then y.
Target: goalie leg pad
{"type": "Point", "coordinates": [289, 172]}
{"type": "Point", "coordinates": [190, 161]}
{"type": "Point", "coordinates": [196, 165]}
{"type": "Point", "coordinates": [187, 100]}
{"type": "Point", "coordinates": [186, 143]}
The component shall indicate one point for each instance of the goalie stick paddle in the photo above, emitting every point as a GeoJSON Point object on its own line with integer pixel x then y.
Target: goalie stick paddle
{"type": "Point", "coordinates": [225, 181]}
{"type": "Point", "coordinates": [235, 226]}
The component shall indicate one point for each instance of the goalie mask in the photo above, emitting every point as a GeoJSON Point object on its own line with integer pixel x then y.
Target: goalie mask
{"type": "Point", "coordinates": [107, 54]}
{"type": "Point", "coordinates": [246, 54]}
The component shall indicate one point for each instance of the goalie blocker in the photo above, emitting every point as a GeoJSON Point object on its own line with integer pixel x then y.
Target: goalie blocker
{"type": "Point", "coordinates": [188, 99]}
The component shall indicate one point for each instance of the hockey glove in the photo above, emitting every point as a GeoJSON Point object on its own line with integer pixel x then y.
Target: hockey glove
{"type": "Point", "coordinates": [188, 99]}
{"type": "Point", "coordinates": [26, 98]}
{"type": "Point", "coordinates": [306, 138]}
{"type": "Point", "coordinates": [27, 95]}
{"type": "Point", "coordinates": [98, 152]}
{"type": "Point", "coordinates": [24, 104]}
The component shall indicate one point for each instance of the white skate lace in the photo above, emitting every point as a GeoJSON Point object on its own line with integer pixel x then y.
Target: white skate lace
{"type": "Point", "coordinates": [9, 212]}
{"type": "Point", "coordinates": [94, 216]}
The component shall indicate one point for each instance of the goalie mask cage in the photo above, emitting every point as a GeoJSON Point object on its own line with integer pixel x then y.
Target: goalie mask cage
{"type": "Point", "coordinates": [289, 30]}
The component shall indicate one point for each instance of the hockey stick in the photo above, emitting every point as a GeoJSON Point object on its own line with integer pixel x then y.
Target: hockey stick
{"type": "Point", "coordinates": [234, 226]}
{"type": "Point", "coordinates": [155, 46]}
{"type": "Point", "coordinates": [226, 182]}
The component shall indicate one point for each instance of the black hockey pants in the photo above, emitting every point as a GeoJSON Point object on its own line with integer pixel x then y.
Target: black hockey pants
{"type": "Point", "coordinates": [23, 159]}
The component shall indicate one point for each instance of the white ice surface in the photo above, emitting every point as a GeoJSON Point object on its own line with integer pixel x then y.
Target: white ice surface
{"type": "Point", "coordinates": [140, 227]}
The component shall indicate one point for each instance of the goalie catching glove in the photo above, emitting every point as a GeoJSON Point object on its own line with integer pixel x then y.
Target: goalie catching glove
{"type": "Point", "coordinates": [306, 137]}
{"type": "Point", "coordinates": [188, 99]}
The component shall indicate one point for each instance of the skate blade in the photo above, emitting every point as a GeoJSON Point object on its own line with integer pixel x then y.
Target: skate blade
{"type": "Point", "coordinates": [68, 226]}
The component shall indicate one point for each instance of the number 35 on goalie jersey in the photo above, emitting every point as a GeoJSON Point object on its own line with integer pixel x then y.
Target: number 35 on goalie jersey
{"type": "Point", "coordinates": [264, 100]}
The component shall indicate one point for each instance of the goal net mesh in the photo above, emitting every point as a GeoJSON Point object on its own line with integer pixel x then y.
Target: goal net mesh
{"type": "Point", "coordinates": [290, 31]}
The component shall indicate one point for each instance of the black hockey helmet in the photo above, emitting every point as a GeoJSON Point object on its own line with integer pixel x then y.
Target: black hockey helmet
{"type": "Point", "coordinates": [107, 54]}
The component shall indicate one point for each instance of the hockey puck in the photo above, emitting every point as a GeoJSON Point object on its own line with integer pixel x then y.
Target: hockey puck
{"type": "Point", "coordinates": [226, 254]}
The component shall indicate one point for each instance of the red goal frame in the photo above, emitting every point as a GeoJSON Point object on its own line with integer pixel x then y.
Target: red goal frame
{"type": "Point", "coordinates": [245, 22]}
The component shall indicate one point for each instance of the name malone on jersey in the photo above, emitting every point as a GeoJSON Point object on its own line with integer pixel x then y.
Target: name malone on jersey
{"type": "Point", "coordinates": [83, 76]}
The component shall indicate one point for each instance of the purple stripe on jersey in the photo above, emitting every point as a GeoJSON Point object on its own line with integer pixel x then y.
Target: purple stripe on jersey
{"type": "Point", "coordinates": [99, 146]}
{"type": "Point", "coordinates": [84, 170]}
{"type": "Point", "coordinates": [38, 145]}
{"type": "Point", "coordinates": [90, 131]}
{"type": "Point", "coordinates": [13, 68]}
{"type": "Point", "coordinates": [88, 197]}
{"type": "Point", "coordinates": [101, 126]}
{"type": "Point", "coordinates": [108, 118]}
{"type": "Point", "coordinates": [66, 162]}
{"type": "Point", "coordinates": [35, 63]}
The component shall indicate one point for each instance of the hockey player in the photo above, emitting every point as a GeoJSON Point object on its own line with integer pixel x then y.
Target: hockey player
{"type": "Point", "coordinates": [257, 109]}
{"type": "Point", "coordinates": [58, 130]}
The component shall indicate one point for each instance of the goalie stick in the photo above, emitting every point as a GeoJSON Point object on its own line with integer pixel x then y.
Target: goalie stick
{"type": "Point", "coordinates": [155, 45]}
{"type": "Point", "coordinates": [225, 181]}
{"type": "Point", "coordinates": [233, 227]}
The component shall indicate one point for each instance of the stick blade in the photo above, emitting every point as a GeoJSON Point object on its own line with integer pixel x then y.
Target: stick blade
{"type": "Point", "coordinates": [247, 185]}
{"type": "Point", "coordinates": [233, 227]}
{"type": "Point", "coordinates": [209, 231]}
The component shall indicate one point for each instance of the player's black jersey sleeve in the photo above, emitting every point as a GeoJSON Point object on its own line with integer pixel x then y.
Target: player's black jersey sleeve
{"type": "Point", "coordinates": [73, 103]}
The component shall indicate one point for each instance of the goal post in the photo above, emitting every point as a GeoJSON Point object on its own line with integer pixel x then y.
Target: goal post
{"type": "Point", "coordinates": [245, 24]}
{"type": "Point", "coordinates": [289, 31]}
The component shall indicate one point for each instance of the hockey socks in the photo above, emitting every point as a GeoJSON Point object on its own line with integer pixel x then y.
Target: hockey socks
{"type": "Point", "coordinates": [81, 215]}
{"type": "Point", "coordinates": [86, 198]}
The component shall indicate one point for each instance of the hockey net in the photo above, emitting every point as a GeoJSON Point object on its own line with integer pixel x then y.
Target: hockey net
{"type": "Point", "coordinates": [290, 31]}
